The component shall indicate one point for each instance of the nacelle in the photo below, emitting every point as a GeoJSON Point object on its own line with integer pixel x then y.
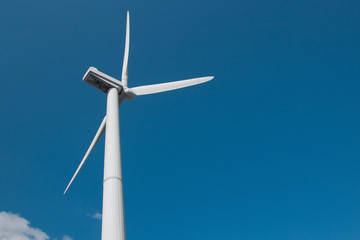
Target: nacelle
{"type": "Point", "coordinates": [101, 80]}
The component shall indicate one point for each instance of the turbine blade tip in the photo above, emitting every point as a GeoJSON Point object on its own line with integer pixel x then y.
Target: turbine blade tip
{"type": "Point", "coordinates": [67, 188]}
{"type": "Point", "coordinates": [206, 79]}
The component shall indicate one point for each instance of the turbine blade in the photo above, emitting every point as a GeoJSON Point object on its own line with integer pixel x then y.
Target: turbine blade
{"type": "Point", "coordinates": [124, 76]}
{"type": "Point", "coordinates": [163, 87]}
{"type": "Point", "coordinates": [99, 133]}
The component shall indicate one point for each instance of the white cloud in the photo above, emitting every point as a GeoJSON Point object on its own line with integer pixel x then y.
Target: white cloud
{"type": "Point", "coordinates": [66, 237]}
{"type": "Point", "coordinates": [96, 216]}
{"type": "Point", "coordinates": [14, 227]}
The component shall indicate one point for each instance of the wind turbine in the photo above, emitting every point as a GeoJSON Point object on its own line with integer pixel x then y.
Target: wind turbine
{"type": "Point", "coordinates": [113, 222]}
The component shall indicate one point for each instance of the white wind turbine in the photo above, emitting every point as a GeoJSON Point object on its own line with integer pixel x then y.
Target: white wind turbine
{"type": "Point", "coordinates": [113, 223]}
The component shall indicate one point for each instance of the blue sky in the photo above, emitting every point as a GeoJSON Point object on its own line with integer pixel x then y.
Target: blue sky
{"type": "Point", "coordinates": [267, 150]}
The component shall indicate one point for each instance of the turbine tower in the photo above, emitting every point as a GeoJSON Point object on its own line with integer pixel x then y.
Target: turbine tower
{"type": "Point", "coordinates": [113, 222]}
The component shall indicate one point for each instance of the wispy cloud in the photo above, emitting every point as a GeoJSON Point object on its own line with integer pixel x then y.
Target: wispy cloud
{"type": "Point", "coordinates": [14, 227]}
{"type": "Point", "coordinates": [96, 216]}
{"type": "Point", "coordinates": [66, 237]}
